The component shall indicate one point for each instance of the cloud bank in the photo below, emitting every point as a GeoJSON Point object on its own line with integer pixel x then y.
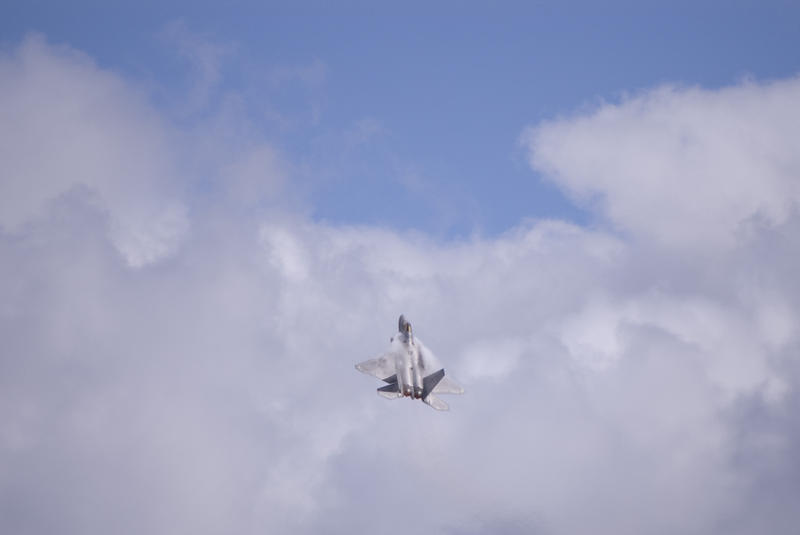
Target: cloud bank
{"type": "Point", "coordinates": [178, 358]}
{"type": "Point", "coordinates": [683, 166]}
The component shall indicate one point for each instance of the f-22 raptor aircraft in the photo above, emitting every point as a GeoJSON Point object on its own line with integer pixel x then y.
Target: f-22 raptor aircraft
{"type": "Point", "coordinates": [410, 370]}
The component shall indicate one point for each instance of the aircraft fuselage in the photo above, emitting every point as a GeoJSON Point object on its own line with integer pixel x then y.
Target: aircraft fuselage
{"type": "Point", "coordinates": [407, 363]}
{"type": "Point", "coordinates": [409, 369]}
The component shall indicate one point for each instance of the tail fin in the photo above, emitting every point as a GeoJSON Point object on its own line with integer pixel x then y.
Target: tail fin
{"type": "Point", "coordinates": [430, 382]}
{"type": "Point", "coordinates": [436, 403]}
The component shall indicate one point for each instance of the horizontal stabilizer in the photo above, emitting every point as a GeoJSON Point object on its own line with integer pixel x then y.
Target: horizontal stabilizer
{"type": "Point", "coordinates": [448, 386]}
{"type": "Point", "coordinates": [436, 403]}
{"type": "Point", "coordinates": [390, 391]}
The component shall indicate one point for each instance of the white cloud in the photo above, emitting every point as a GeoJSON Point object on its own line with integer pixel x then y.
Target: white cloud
{"type": "Point", "coordinates": [205, 59]}
{"type": "Point", "coordinates": [685, 167]}
{"type": "Point", "coordinates": [68, 124]}
{"type": "Point", "coordinates": [614, 384]}
{"type": "Point", "coordinates": [487, 359]}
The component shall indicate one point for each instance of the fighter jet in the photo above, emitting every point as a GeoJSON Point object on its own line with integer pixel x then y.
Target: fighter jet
{"type": "Point", "coordinates": [411, 370]}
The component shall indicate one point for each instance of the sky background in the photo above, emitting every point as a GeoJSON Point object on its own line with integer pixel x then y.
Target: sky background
{"type": "Point", "coordinates": [208, 214]}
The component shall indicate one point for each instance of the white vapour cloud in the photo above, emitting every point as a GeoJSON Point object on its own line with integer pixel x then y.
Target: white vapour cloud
{"type": "Point", "coordinates": [616, 382]}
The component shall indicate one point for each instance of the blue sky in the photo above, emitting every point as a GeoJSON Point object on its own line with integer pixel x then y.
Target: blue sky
{"type": "Point", "coordinates": [208, 215]}
{"type": "Point", "coordinates": [446, 90]}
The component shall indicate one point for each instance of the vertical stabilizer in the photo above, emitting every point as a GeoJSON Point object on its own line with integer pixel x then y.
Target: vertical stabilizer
{"type": "Point", "coordinates": [430, 382]}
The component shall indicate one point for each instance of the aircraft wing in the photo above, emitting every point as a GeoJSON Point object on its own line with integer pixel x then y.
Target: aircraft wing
{"type": "Point", "coordinates": [382, 367]}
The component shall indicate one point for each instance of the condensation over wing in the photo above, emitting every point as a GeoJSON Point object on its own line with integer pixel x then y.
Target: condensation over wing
{"type": "Point", "coordinates": [382, 367]}
{"type": "Point", "coordinates": [427, 360]}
